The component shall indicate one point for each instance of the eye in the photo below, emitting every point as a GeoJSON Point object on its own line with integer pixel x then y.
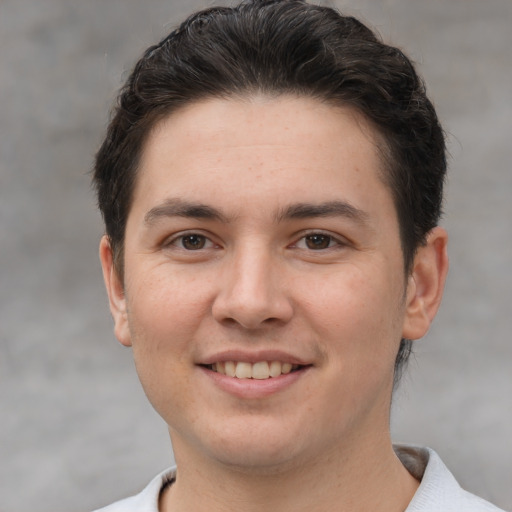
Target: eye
{"type": "Point", "coordinates": [192, 242]}
{"type": "Point", "coordinates": [317, 242]}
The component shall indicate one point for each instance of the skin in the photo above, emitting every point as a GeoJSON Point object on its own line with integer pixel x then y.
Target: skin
{"type": "Point", "coordinates": [262, 227]}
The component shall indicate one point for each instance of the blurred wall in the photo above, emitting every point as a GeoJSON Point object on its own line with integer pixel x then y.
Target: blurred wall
{"type": "Point", "coordinates": [75, 429]}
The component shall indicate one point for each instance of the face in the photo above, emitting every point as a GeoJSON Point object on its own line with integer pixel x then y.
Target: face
{"type": "Point", "coordinates": [264, 291]}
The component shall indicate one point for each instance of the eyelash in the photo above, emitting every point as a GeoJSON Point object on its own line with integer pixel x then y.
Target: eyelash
{"type": "Point", "coordinates": [179, 240]}
{"type": "Point", "coordinates": [205, 242]}
{"type": "Point", "coordinates": [333, 242]}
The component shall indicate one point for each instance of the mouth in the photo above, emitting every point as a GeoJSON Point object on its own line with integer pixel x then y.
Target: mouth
{"type": "Point", "coordinates": [261, 370]}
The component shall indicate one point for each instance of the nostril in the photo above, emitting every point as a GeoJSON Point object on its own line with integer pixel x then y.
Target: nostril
{"type": "Point", "coordinates": [250, 297]}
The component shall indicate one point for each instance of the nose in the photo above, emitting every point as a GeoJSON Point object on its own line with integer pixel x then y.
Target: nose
{"type": "Point", "coordinates": [252, 292]}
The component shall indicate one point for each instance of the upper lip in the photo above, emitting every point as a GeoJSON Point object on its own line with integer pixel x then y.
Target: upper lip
{"type": "Point", "coordinates": [253, 357]}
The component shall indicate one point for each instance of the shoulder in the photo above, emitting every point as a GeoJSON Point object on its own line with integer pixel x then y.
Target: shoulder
{"type": "Point", "coordinates": [145, 501]}
{"type": "Point", "coordinates": [438, 489]}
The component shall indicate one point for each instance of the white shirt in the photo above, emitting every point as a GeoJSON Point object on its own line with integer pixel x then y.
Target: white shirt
{"type": "Point", "coordinates": [438, 490]}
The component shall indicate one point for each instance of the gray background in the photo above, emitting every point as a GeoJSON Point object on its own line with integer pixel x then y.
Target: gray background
{"type": "Point", "coordinates": [75, 429]}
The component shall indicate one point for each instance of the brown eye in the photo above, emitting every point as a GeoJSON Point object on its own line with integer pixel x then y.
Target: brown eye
{"type": "Point", "coordinates": [317, 241]}
{"type": "Point", "coordinates": [193, 242]}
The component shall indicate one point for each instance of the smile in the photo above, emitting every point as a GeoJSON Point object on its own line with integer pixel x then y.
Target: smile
{"type": "Point", "coordinates": [261, 370]}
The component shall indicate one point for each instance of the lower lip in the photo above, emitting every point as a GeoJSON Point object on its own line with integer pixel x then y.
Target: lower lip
{"type": "Point", "coordinates": [254, 388]}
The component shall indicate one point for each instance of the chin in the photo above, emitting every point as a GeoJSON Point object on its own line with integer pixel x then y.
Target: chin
{"type": "Point", "coordinates": [253, 448]}
{"type": "Point", "coordinates": [256, 460]}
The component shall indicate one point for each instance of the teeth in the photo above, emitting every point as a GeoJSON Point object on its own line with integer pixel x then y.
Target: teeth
{"type": "Point", "coordinates": [230, 368]}
{"type": "Point", "coordinates": [261, 370]}
{"type": "Point", "coordinates": [243, 371]}
{"type": "Point", "coordinates": [275, 369]}
{"type": "Point", "coordinates": [286, 368]}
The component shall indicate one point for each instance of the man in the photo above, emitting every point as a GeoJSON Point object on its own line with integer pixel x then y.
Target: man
{"type": "Point", "coordinates": [271, 184]}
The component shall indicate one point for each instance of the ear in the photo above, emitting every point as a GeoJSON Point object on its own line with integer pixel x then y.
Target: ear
{"type": "Point", "coordinates": [115, 292]}
{"type": "Point", "coordinates": [426, 284]}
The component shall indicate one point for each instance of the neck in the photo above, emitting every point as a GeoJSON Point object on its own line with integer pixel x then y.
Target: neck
{"type": "Point", "coordinates": [370, 477]}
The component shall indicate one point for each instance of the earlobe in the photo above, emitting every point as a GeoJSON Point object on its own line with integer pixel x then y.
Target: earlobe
{"type": "Point", "coordinates": [426, 284]}
{"type": "Point", "coordinates": [115, 292]}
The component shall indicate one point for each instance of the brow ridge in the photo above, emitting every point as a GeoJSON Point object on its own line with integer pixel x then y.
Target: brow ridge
{"type": "Point", "coordinates": [175, 207]}
{"type": "Point", "coordinates": [326, 209]}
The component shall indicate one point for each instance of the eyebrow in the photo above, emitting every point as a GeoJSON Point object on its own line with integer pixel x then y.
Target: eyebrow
{"type": "Point", "coordinates": [327, 209]}
{"type": "Point", "coordinates": [175, 207]}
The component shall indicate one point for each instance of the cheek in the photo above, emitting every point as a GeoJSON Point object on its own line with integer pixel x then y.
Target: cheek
{"type": "Point", "coordinates": [164, 314]}
{"type": "Point", "coordinates": [166, 382]}
{"type": "Point", "coordinates": [356, 308]}
{"type": "Point", "coordinates": [167, 304]}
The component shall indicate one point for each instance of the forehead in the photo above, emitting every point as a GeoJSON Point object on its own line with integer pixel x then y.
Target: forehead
{"type": "Point", "coordinates": [261, 119]}
{"type": "Point", "coordinates": [260, 147]}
